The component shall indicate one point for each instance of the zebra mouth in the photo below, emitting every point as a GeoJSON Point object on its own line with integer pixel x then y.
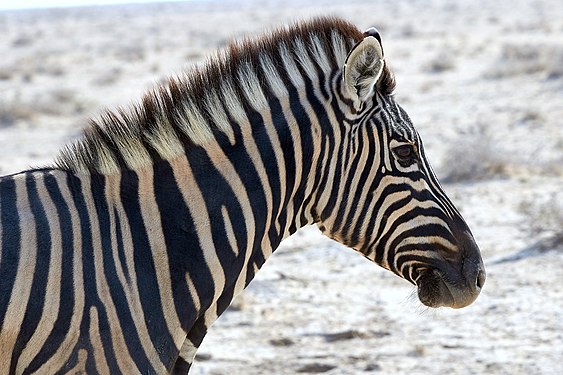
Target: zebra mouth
{"type": "Point", "coordinates": [436, 290]}
{"type": "Point", "coordinates": [433, 291]}
{"type": "Point", "coordinates": [450, 288]}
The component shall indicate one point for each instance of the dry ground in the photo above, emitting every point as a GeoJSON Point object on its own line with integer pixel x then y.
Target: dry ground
{"type": "Point", "coordinates": [483, 82]}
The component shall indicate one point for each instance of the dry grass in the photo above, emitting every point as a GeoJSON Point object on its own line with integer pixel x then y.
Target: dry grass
{"type": "Point", "coordinates": [13, 112]}
{"type": "Point", "coordinates": [54, 69]}
{"type": "Point", "coordinates": [544, 220]}
{"type": "Point", "coordinates": [526, 59]}
{"type": "Point", "coordinates": [441, 63]}
{"type": "Point", "coordinates": [474, 156]}
{"type": "Point", "coordinates": [23, 41]}
{"type": "Point", "coordinates": [108, 77]}
{"type": "Point", "coordinates": [6, 73]}
{"type": "Point", "coordinates": [61, 102]}
{"type": "Point", "coordinates": [131, 53]}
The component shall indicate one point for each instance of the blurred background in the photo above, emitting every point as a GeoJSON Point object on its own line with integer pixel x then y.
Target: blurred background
{"type": "Point", "coordinates": [481, 80]}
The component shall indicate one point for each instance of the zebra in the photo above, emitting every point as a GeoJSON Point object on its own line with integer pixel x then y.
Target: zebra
{"type": "Point", "coordinates": [119, 256]}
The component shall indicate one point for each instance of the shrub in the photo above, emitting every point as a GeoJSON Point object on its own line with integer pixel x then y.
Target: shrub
{"type": "Point", "coordinates": [525, 59]}
{"type": "Point", "coordinates": [6, 73]}
{"type": "Point", "coordinates": [473, 156]}
{"type": "Point", "coordinates": [13, 112]}
{"type": "Point", "coordinates": [544, 220]}
{"type": "Point", "coordinates": [108, 77]}
{"type": "Point", "coordinates": [442, 62]}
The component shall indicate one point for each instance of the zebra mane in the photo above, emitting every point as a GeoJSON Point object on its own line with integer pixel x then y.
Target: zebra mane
{"type": "Point", "coordinates": [188, 109]}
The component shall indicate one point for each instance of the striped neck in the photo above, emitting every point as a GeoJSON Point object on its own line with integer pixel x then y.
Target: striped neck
{"type": "Point", "coordinates": [214, 214]}
{"type": "Point", "coordinates": [211, 174]}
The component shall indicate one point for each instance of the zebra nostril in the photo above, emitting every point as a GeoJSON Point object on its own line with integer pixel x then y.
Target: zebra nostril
{"type": "Point", "coordinates": [480, 279]}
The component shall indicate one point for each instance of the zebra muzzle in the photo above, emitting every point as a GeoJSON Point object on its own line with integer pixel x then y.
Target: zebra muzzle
{"type": "Point", "coordinates": [436, 289]}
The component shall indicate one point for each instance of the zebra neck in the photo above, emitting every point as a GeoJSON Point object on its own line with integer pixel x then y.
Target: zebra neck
{"type": "Point", "coordinates": [215, 214]}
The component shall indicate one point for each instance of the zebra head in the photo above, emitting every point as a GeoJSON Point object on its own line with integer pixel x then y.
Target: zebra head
{"type": "Point", "coordinates": [391, 207]}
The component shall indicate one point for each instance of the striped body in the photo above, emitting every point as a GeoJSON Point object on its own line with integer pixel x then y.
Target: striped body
{"type": "Point", "coordinates": [118, 259]}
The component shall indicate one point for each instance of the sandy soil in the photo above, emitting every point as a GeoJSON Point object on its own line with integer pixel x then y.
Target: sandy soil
{"type": "Point", "coordinates": [482, 80]}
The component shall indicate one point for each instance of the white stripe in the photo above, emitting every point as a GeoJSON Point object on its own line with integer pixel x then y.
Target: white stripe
{"type": "Point", "coordinates": [163, 139]}
{"type": "Point", "coordinates": [129, 288]}
{"type": "Point", "coordinates": [232, 102]}
{"type": "Point", "coordinates": [339, 48]}
{"type": "Point", "coordinates": [193, 124]}
{"type": "Point", "coordinates": [53, 364]}
{"type": "Point", "coordinates": [250, 85]}
{"type": "Point", "coordinates": [319, 54]}
{"type": "Point", "coordinates": [215, 109]}
{"type": "Point", "coordinates": [195, 202]}
{"type": "Point", "coordinates": [403, 227]}
{"type": "Point", "coordinates": [290, 67]}
{"type": "Point", "coordinates": [132, 150]}
{"type": "Point", "coordinates": [272, 76]}
{"type": "Point", "coordinates": [150, 213]}
{"type": "Point", "coordinates": [119, 346]}
{"type": "Point", "coordinates": [53, 288]}
{"type": "Point", "coordinates": [304, 60]}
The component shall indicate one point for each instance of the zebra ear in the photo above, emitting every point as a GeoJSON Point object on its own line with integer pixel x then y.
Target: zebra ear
{"type": "Point", "coordinates": [363, 67]}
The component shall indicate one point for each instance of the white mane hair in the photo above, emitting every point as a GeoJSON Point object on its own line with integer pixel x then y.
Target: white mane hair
{"type": "Point", "coordinates": [187, 110]}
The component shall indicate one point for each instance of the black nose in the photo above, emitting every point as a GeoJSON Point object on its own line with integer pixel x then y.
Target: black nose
{"type": "Point", "coordinates": [473, 269]}
{"type": "Point", "coordinates": [474, 273]}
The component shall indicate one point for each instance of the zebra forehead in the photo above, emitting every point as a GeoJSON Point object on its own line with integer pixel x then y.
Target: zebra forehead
{"type": "Point", "coordinates": [395, 119]}
{"type": "Point", "coordinates": [186, 111]}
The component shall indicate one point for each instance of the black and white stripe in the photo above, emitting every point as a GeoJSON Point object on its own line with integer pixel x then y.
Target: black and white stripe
{"type": "Point", "coordinates": [119, 258]}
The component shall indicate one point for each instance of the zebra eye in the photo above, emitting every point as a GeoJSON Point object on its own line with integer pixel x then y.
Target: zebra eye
{"type": "Point", "coordinates": [404, 151]}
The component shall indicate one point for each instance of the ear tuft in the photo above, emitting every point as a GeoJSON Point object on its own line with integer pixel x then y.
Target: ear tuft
{"type": "Point", "coordinates": [363, 68]}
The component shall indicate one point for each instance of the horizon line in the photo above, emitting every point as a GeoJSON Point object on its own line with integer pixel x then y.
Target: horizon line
{"type": "Point", "coordinates": [62, 4]}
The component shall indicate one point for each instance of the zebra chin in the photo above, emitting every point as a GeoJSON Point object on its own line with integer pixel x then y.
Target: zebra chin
{"type": "Point", "coordinates": [436, 289]}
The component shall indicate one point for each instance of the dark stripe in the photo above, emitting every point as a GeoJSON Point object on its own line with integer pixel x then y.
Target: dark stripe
{"type": "Point", "coordinates": [185, 255]}
{"type": "Point", "coordinates": [217, 194]}
{"type": "Point", "coordinates": [322, 82]}
{"type": "Point", "coordinates": [240, 159]}
{"type": "Point", "coordinates": [90, 288]}
{"type": "Point", "coordinates": [181, 367]}
{"type": "Point", "coordinates": [304, 126]}
{"type": "Point", "coordinates": [441, 197]}
{"type": "Point", "coordinates": [328, 146]}
{"type": "Point", "coordinates": [117, 294]}
{"type": "Point", "coordinates": [259, 204]}
{"type": "Point", "coordinates": [268, 157]}
{"type": "Point", "coordinates": [37, 296]}
{"type": "Point", "coordinates": [66, 304]}
{"type": "Point", "coordinates": [145, 270]}
{"type": "Point", "coordinates": [378, 129]}
{"type": "Point", "coordinates": [320, 112]}
{"type": "Point", "coordinates": [287, 147]}
{"type": "Point", "coordinates": [378, 232]}
{"type": "Point", "coordinates": [198, 332]}
{"type": "Point", "coordinates": [425, 230]}
{"type": "Point", "coordinates": [343, 125]}
{"type": "Point", "coordinates": [386, 191]}
{"type": "Point", "coordinates": [305, 131]}
{"type": "Point", "coordinates": [340, 97]}
{"type": "Point", "coordinates": [368, 169]}
{"type": "Point", "coordinates": [351, 175]}
{"type": "Point", "coordinates": [11, 237]}
{"type": "Point", "coordinates": [431, 248]}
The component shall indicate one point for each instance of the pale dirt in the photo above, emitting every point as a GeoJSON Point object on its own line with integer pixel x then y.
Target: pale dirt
{"type": "Point", "coordinates": [317, 307]}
